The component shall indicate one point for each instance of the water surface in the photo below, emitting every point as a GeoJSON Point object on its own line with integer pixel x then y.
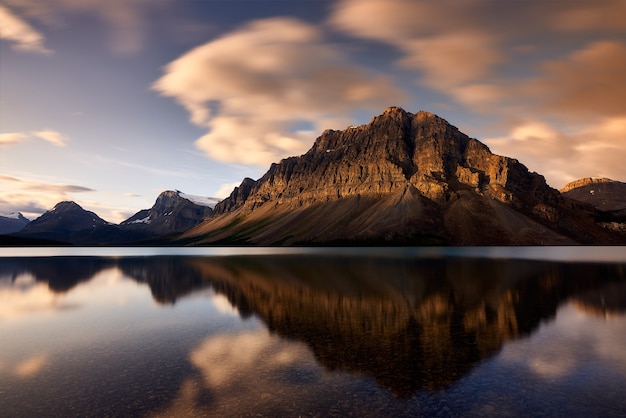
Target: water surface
{"type": "Point", "coordinates": [322, 332]}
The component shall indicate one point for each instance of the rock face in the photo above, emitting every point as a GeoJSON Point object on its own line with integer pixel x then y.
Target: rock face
{"type": "Point", "coordinates": [13, 222]}
{"type": "Point", "coordinates": [65, 222]}
{"type": "Point", "coordinates": [170, 213]}
{"type": "Point", "coordinates": [406, 179]}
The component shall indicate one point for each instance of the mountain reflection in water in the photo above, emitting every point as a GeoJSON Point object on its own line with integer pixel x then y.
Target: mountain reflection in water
{"type": "Point", "coordinates": [410, 324]}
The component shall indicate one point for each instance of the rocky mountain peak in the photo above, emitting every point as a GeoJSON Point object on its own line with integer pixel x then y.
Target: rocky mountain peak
{"type": "Point", "coordinates": [66, 206]}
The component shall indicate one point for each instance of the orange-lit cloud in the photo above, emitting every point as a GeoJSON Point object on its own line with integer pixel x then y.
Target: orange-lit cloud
{"type": "Point", "coordinates": [266, 89]}
{"type": "Point", "coordinates": [595, 149]}
{"type": "Point", "coordinates": [53, 137]}
{"type": "Point", "coordinates": [587, 82]}
{"type": "Point", "coordinates": [23, 36]}
{"type": "Point", "coordinates": [12, 138]}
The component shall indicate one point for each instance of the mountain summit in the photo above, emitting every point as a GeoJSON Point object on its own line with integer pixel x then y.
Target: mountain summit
{"type": "Point", "coordinates": [404, 178]}
{"type": "Point", "coordinates": [172, 212]}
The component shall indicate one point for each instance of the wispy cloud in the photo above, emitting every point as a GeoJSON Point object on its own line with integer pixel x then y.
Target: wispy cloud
{"type": "Point", "coordinates": [127, 20]}
{"type": "Point", "coordinates": [12, 138]}
{"type": "Point", "coordinates": [53, 137]}
{"type": "Point", "coordinates": [33, 197]}
{"type": "Point", "coordinates": [23, 36]}
{"type": "Point", "coordinates": [250, 87]}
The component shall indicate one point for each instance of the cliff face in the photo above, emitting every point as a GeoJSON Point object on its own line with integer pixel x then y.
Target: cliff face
{"type": "Point", "coordinates": [406, 179]}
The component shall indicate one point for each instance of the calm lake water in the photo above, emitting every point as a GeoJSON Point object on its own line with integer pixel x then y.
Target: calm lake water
{"type": "Point", "coordinates": [313, 332]}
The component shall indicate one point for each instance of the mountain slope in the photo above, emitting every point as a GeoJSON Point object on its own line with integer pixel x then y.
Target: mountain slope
{"type": "Point", "coordinates": [12, 222]}
{"type": "Point", "coordinates": [405, 179]}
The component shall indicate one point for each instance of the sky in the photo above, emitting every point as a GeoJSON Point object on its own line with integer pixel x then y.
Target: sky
{"type": "Point", "coordinates": [109, 103]}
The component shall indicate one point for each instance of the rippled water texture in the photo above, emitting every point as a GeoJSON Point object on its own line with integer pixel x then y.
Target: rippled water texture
{"type": "Point", "coordinates": [362, 333]}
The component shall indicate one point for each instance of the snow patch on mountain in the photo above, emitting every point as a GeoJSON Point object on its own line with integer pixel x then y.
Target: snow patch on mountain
{"type": "Point", "coordinates": [12, 215]}
{"type": "Point", "coordinates": [201, 200]}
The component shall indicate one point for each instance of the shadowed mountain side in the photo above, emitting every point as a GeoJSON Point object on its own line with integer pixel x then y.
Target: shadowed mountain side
{"type": "Point", "coordinates": [403, 179]}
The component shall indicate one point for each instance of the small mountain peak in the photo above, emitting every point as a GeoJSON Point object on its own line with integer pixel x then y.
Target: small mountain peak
{"type": "Point", "coordinates": [66, 205]}
{"type": "Point", "coordinates": [585, 182]}
{"type": "Point", "coordinates": [394, 110]}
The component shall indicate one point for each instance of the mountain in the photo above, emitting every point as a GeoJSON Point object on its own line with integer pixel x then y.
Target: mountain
{"type": "Point", "coordinates": [13, 222]}
{"type": "Point", "coordinates": [402, 179]}
{"type": "Point", "coordinates": [604, 194]}
{"type": "Point", "coordinates": [172, 212]}
{"type": "Point", "coordinates": [66, 222]}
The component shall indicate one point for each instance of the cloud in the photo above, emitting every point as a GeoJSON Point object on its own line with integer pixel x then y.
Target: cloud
{"type": "Point", "coordinates": [23, 36]}
{"type": "Point", "coordinates": [53, 137]}
{"type": "Point", "coordinates": [445, 41]}
{"type": "Point", "coordinates": [225, 190]}
{"type": "Point", "coordinates": [127, 20]}
{"type": "Point", "coordinates": [595, 149]}
{"type": "Point", "coordinates": [33, 197]}
{"type": "Point", "coordinates": [12, 138]}
{"type": "Point", "coordinates": [587, 82]}
{"type": "Point", "coordinates": [256, 87]}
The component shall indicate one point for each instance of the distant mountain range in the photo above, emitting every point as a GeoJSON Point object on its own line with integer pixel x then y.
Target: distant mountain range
{"type": "Point", "coordinates": [173, 212]}
{"type": "Point", "coordinates": [402, 179]}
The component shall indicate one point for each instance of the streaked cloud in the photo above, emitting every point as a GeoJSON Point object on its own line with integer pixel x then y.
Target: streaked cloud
{"type": "Point", "coordinates": [127, 20]}
{"type": "Point", "coordinates": [20, 33]}
{"type": "Point", "coordinates": [33, 197]}
{"type": "Point", "coordinates": [587, 82]}
{"type": "Point", "coordinates": [12, 138]}
{"type": "Point", "coordinates": [593, 150]}
{"type": "Point", "coordinates": [53, 137]}
{"type": "Point", "coordinates": [253, 88]}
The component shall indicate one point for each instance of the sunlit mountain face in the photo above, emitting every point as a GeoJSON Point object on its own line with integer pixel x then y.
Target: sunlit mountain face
{"type": "Point", "coordinates": [208, 333]}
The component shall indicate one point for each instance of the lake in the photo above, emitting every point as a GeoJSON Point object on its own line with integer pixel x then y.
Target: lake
{"type": "Point", "coordinates": [288, 332]}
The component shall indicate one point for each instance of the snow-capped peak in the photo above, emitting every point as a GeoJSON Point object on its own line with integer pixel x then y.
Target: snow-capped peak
{"type": "Point", "coordinates": [200, 200]}
{"type": "Point", "coordinates": [12, 215]}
